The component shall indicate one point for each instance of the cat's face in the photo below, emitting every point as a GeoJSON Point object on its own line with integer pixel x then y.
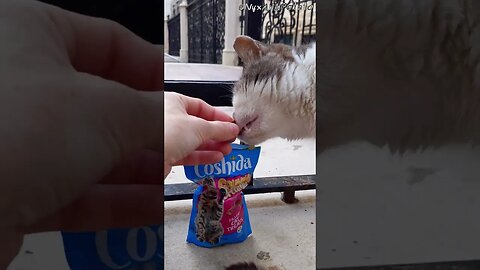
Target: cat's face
{"type": "Point", "coordinates": [258, 119]}
{"type": "Point", "coordinates": [210, 193]}
{"type": "Point", "coordinates": [259, 111]}
{"type": "Point", "coordinates": [209, 190]}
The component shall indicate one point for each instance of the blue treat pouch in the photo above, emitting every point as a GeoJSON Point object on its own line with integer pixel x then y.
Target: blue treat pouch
{"type": "Point", "coordinates": [219, 212]}
{"type": "Point", "coordinates": [122, 249]}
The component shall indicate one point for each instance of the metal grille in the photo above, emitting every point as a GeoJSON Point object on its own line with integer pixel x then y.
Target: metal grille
{"type": "Point", "coordinates": [174, 36]}
{"type": "Point", "coordinates": [283, 21]}
{"type": "Point", "coordinates": [206, 31]}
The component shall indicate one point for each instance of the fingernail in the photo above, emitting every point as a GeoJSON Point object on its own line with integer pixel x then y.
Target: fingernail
{"type": "Point", "coordinates": [234, 128]}
{"type": "Point", "coordinates": [219, 156]}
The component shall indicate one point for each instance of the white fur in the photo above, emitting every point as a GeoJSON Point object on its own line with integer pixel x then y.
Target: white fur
{"type": "Point", "coordinates": [286, 105]}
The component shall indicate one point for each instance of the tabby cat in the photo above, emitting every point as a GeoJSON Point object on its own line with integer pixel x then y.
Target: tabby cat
{"type": "Point", "coordinates": [210, 212]}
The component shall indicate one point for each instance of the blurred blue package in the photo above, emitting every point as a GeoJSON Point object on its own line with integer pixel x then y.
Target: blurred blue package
{"type": "Point", "coordinates": [122, 249]}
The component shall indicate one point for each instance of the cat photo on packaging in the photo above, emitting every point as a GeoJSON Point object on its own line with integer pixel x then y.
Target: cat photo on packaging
{"type": "Point", "coordinates": [210, 210]}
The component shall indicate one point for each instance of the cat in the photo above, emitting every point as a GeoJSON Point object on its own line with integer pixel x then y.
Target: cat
{"type": "Point", "coordinates": [402, 74]}
{"type": "Point", "coordinates": [392, 73]}
{"type": "Point", "coordinates": [275, 95]}
{"type": "Point", "coordinates": [210, 211]}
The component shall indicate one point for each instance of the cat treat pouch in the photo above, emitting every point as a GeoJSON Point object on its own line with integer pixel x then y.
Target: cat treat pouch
{"type": "Point", "coordinates": [219, 213]}
{"type": "Point", "coordinates": [118, 248]}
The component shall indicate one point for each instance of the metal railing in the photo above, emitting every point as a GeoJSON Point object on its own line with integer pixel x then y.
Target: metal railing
{"type": "Point", "coordinates": [290, 22]}
{"type": "Point", "coordinates": [174, 35]}
{"type": "Point", "coordinates": [206, 30]}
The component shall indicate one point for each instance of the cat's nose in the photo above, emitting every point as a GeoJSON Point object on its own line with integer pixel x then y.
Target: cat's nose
{"type": "Point", "coordinates": [234, 118]}
{"type": "Point", "coordinates": [238, 122]}
{"type": "Point", "coordinates": [245, 123]}
{"type": "Point", "coordinates": [241, 128]}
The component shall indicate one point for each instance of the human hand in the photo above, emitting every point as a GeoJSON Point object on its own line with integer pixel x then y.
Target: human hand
{"type": "Point", "coordinates": [195, 132]}
{"type": "Point", "coordinates": [70, 112]}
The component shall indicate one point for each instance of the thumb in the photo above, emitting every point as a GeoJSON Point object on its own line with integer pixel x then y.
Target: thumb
{"type": "Point", "coordinates": [131, 120]}
{"type": "Point", "coordinates": [216, 131]}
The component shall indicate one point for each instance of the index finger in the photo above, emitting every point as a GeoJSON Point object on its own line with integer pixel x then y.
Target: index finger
{"type": "Point", "coordinates": [201, 109]}
{"type": "Point", "coordinates": [105, 48]}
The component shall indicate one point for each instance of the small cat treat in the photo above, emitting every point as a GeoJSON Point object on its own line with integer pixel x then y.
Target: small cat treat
{"type": "Point", "coordinates": [219, 213]}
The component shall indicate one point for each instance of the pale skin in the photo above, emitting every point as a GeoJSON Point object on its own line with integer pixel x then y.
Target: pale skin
{"type": "Point", "coordinates": [81, 122]}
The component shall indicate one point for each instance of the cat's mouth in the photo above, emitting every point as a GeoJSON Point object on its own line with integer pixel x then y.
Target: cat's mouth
{"type": "Point", "coordinates": [248, 126]}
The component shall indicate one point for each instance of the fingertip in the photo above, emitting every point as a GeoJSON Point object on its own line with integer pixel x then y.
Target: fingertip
{"type": "Point", "coordinates": [218, 131]}
{"type": "Point", "coordinates": [234, 128]}
{"type": "Point", "coordinates": [218, 156]}
{"type": "Point", "coordinates": [202, 157]}
{"type": "Point", "coordinates": [227, 148]}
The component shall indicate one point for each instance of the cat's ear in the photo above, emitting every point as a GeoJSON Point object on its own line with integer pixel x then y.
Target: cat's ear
{"type": "Point", "coordinates": [247, 48]}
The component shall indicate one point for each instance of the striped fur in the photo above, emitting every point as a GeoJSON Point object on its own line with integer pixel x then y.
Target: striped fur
{"type": "Point", "coordinates": [210, 211]}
